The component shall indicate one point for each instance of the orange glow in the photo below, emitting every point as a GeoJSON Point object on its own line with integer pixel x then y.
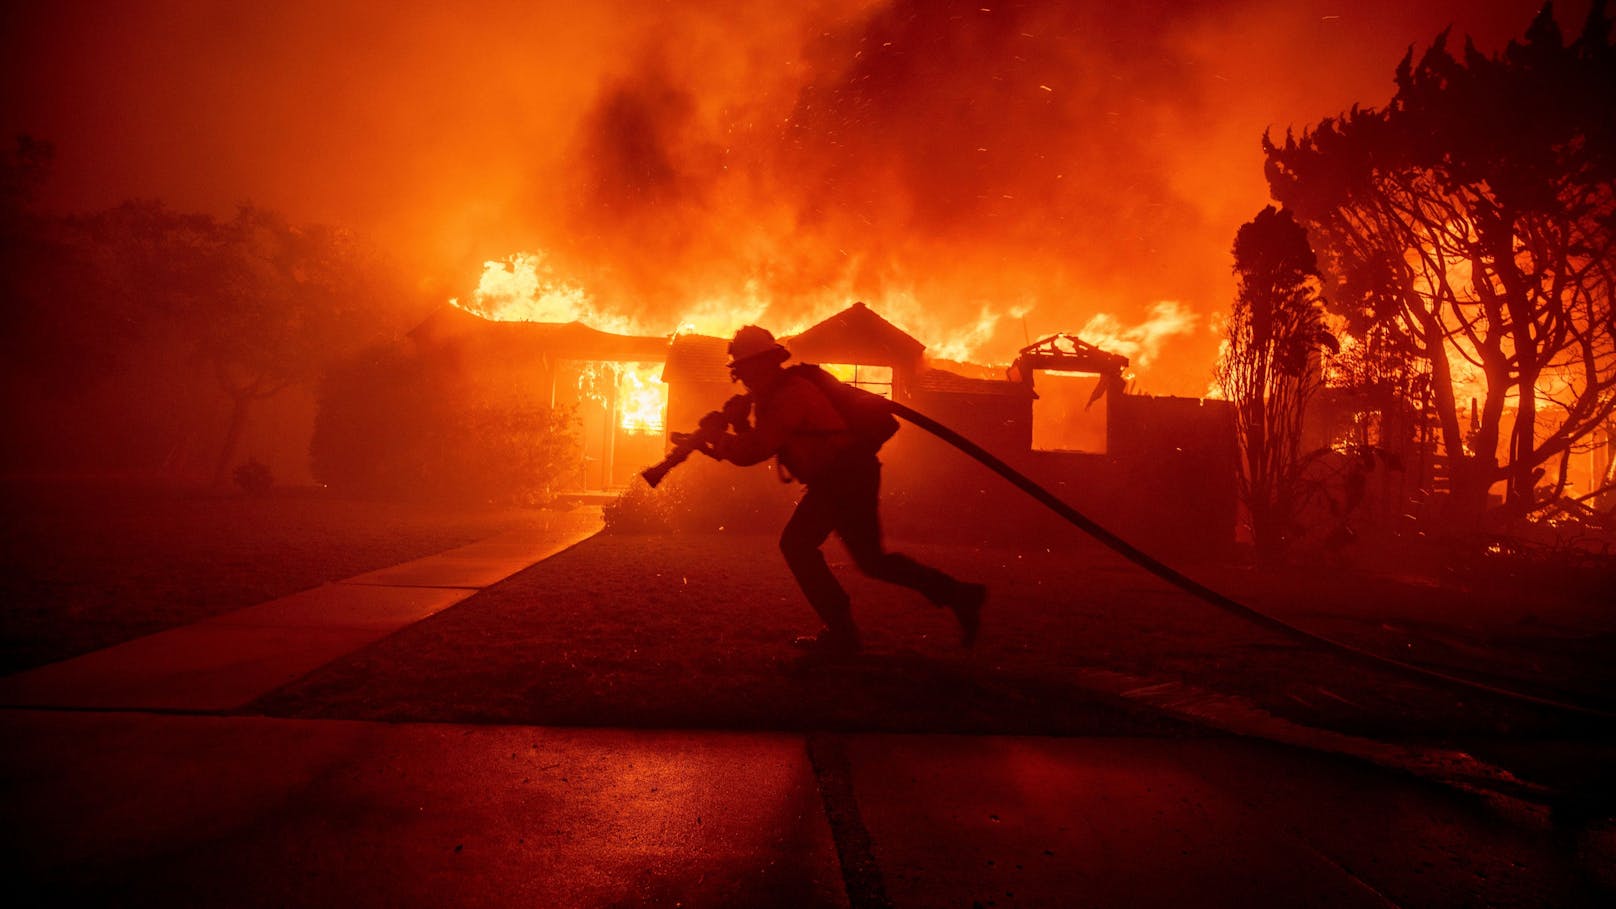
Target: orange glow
{"type": "Point", "coordinates": [874, 379]}
{"type": "Point", "coordinates": [526, 287]}
{"type": "Point", "coordinates": [1458, 284]}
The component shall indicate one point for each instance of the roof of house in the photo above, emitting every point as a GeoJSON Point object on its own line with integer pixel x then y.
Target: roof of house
{"type": "Point", "coordinates": [945, 382]}
{"type": "Point", "coordinates": [856, 335]}
{"type": "Point", "coordinates": [1069, 352]}
{"type": "Point", "coordinates": [697, 358]}
{"type": "Point", "coordinates": [453, 326]}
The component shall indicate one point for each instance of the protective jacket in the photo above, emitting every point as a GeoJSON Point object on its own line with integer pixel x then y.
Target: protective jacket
{"type": "Point", "coordinates": [794, 422]}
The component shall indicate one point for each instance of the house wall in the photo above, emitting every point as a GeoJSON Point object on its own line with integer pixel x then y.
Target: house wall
{"type": "Point", "coordinates": [1167, 483]}
{"type": "Point", "coordinates": [1166, 479]}
{"type": "Point", "coordinates": [1177, 458]}
{"type": "Point", "coordinates": [1000, 423]}
{"type": "Point", "coordinates": [688, 402]}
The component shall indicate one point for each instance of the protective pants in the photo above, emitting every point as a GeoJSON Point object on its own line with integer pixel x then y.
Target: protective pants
{"type": "Point", "coordinates": [847, 500]}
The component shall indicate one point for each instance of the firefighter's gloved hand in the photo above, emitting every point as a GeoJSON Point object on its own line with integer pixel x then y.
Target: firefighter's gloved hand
{"type": "Point", "coordinates": [713, 425]}
{"type": "Point", "coordinates": [736, 411]}
{"type": "Point", "coordinates": [692, 440]}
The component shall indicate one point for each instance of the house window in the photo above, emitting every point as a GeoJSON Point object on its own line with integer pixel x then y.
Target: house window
{"type": "Point", "coordinates": [877, 379]}
{"type": "Point", "coordinates": [1063, 417]}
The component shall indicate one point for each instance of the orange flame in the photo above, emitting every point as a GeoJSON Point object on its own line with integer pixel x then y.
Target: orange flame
{"type": "Point", "coordinates": [1141, 343]}
{"type": "Point", "coordinates": [642, 398]}
{"type": "Point", "coordinates": [524, 287]}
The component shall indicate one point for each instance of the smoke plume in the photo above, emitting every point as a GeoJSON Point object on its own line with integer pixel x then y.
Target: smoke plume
{"type": "Point", "coordinates": [982, 173]}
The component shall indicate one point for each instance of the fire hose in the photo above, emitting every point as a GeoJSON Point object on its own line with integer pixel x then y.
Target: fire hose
{"type": "Point", "coordinates": [1161, 569]}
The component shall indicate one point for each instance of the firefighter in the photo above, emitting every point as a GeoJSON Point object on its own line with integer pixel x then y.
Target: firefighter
{"type": "Point", "coordinates": [802, 417]}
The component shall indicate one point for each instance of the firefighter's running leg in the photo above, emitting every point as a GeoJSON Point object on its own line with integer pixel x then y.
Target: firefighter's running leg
{"type": "Point", "coordinates": [807, 530]}
{"type": "Point", "coordinates": [856, 495]}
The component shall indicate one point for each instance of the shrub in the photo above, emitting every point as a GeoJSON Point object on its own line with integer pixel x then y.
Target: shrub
{"type": "Point", "coordinates": [390, 424]}
{"type": "Point", "coordinates": [254, 477]}
{"type": "Point", "coordinates": [641, 509]}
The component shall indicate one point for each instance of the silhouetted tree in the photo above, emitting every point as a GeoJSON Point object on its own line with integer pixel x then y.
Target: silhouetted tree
{"type": "Point", "coordinates": [273, 304]}
{"type": "Point", "coordinates": [1268, 368]}
{"type": "Point", "coordinates": [1473, 218]}
{"type": "Point", "coordinates": [257, 303]}
{"type": "Point", "coordinates": [132, 312]}
{"type": "Point", "coordinates": [23, 170]}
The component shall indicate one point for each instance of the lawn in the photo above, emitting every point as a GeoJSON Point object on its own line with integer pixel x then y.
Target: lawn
{"type": "Point", "coordinates": [692, 630]}
{"type": "Point", "coordinates": [89, 565]}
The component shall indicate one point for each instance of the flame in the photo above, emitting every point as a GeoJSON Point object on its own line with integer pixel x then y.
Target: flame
{"type": "Point", "coordinates": [720, 316]}
{"type": "Point", "coordinates": [636, 391]}
{"type": "Point", "coordinates": [642, 398]}
{"type": "Point", "coordinates": [874, 379]}
{"type": "Point", "coordinates": [960, 343]}
{"type": "Point", "coordinates": [525, 288]}
{"type": "Point", "coordinates": [1140, 343]}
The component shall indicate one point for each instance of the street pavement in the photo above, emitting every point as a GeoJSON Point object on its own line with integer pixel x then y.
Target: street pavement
{"type": "Point", "coordinates": [130, 777]}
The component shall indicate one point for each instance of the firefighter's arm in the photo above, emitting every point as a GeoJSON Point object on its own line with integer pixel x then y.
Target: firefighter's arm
{"type": "Point", "coordinates": [712, 426]}
{"type": "Point", "coordinates": [763, 440]}
{"type": "Point", "coordinates": [738, 412]}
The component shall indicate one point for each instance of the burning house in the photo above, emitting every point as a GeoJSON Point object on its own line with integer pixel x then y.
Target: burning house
{"type": "Point", "coordinates": [611, 381]}
{"type": "Point", "coordinates": [1158, 469]}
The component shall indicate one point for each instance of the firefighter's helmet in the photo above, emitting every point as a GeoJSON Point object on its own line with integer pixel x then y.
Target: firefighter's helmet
{"type": "Point", "coordinates": [752, 342]}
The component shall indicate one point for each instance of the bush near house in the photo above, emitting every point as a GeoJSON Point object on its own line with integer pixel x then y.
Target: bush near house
{"type": "Point", "coordinates": [703, 496]}
{"type": "Point", "coordinates": [391, 425]}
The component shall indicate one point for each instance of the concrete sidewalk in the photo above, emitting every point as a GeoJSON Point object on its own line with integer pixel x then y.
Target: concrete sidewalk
{"type": "Point", "coordinates": [228, 661]}
{"type": "Point", "coordinates": [141, 809]}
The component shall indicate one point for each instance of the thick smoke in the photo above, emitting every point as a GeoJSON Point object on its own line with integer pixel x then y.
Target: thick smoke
{"type": "Point", "coordinates": [961, 157]}
{"type": "Point", "coordinates": [983, 173]}
{"type": "Point", "coordinates": [969, 169]}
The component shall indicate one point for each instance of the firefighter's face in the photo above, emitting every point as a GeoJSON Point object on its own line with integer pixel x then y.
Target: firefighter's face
{"type": "Point", "coordinates": [752, 371]}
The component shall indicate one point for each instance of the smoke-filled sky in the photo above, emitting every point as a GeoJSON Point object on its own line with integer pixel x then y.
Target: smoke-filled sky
{"type": "Point", "coordinates": [982, 172]}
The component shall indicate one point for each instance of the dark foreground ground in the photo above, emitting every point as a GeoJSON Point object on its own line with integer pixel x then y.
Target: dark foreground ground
{"type": "Point", "coordinates": [693, 630]}
{"type": "Point", "coordinates": [688, 632]}
{"type": "Point", "coordinates": [89, 564]}
{"type": "Point", "coordinates": [143, 809]}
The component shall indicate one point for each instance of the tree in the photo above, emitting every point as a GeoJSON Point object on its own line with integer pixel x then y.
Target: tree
{"type": "Point", "coordinates": [260, 303]}
{"type": "Point", "coordinates": [281, 302]}
{"type": "Point", "coordinates": [23, 170]}
{"type": "Point", "coordinates": [123, 321]}
{"type": "Point", "coordinates": [1472, 218]}
{"type": "Point", "coordinates": [1268, 368]}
